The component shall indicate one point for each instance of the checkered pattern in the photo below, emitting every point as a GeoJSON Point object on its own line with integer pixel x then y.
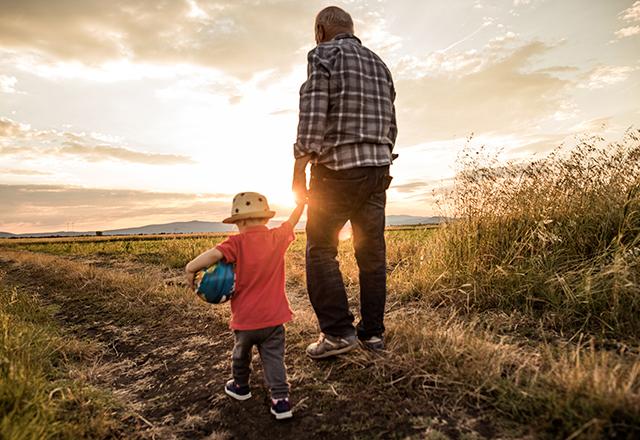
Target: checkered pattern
{"type": "Point", "coordinates": [347, 116]}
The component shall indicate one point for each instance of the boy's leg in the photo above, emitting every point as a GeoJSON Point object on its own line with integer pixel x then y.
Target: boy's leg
{"type": "Point", "coordinates": [271, 350]}
{"type": "Point", "coordinates": [241, 358]}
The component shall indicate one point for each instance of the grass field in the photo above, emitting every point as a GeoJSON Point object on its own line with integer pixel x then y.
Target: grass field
{"type": "Point", "coordinates": [519, 320]}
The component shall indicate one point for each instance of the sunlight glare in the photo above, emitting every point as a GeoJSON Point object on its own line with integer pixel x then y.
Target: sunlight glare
{"type": "Point", "coordinates": [345, 233]}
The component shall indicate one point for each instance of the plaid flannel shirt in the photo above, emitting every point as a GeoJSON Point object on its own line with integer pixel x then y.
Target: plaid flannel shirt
{"type": "Point", "coordinates": [347, 116]}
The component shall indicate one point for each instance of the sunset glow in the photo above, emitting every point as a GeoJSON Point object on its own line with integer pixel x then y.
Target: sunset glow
{"type": "Point", "coordinates": [345, 233]}
{"type": "Point", "coordinates": [125, 113]}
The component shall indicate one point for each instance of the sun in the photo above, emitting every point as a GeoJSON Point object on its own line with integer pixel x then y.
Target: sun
{"type": "Point", "coordinates": [346, 232]}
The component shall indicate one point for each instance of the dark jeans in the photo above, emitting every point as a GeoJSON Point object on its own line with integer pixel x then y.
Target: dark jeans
{"type": "Point", "coordinates": [358, 195]}
{"type": "Point", "coordinates": [270, 343]}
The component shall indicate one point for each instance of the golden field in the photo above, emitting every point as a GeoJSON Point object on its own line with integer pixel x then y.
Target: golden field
{"type": "Point", "coordinates": [520, 319]}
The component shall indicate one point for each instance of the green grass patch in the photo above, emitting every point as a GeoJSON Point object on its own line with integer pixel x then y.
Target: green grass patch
{"type": "Point", "coordinates": [39, 399]}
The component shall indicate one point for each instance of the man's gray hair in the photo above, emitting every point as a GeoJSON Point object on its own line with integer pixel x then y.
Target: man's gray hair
{"type": "Point", "coordinates": [333, 16]}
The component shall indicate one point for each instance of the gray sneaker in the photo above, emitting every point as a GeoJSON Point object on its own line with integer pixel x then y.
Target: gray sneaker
{"type": "Point", "coordinates": [331, 345]}
{"type": "Point", "coordinates": [374, 343]}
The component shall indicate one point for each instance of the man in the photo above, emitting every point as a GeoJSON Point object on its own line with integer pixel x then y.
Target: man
{"type": "Point", "coordinates": [347, 130]}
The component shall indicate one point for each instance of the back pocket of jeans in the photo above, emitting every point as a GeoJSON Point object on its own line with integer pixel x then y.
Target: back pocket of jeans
{"type": "Point", "coordinates": [338, 192]}
{"type": "Point", "coordinates": [385, 182]}
{"type": "Point", "coordinates": [343, 184]}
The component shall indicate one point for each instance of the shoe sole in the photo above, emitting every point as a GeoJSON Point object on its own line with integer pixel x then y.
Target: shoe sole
{"type": "Point", "coordinates": [281, 416]}
{"type": "Point", "coordinates": [373, 347]}
{"type": "Point", "coordinates": [237, 396]}
{"type": "Point", "coordinates": [336, 352]}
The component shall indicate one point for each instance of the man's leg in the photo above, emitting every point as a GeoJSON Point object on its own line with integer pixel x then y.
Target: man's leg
{"type": "Point", "coordinates": [370, 251]}
{"type": "Point", "coordinates": [327, 213]}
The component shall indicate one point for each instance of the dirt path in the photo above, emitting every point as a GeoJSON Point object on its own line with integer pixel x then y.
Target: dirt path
{"type": "Point", "coordinates": [170, 370]}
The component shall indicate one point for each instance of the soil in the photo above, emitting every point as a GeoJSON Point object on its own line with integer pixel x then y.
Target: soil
{"type": "Point", "coordinates": [169, 375]}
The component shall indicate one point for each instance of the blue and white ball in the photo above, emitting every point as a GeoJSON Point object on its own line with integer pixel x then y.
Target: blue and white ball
{"type": "Point", "coordinates": [216, 284]}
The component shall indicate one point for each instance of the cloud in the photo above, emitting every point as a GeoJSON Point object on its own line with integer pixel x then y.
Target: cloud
{"type": "Point", "coordinates": [239, 37]}
{"type": "Point", "coordinates": [632, 13]}
{"type": "Point", "coordinates": [8, 84]}
{"type": "Point", "coordinates": [21, 140]}
{"type": "Point", "coordinates": [517, 3]}
{"type": "Point", "coordinates": [9, 128]}
{"type": "Point", "coordinates": [604, 76]}
{"type": "Point", "coordinates": [411, 186]}
{"type": "Point", "coordinates": [284, 111]}
{"type": "Point", "coordinates": [495, 90]}
{"type": "Point", "coordinates": [107, 152]}
{"type": "Point", "coordinates": [33, 208]}
{"type": "Point", "coordinates": [21, 172]}
{"type": "Point", "coordinates": [628, 31]}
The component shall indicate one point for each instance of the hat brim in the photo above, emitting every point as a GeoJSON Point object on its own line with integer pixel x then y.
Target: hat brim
{"type": "Point", "coordinates": [246, 215]}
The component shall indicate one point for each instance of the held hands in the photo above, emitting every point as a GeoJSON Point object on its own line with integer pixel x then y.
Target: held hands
{"type": "Point", "coordinates": [299, 185]}
{"type": "Point", "coordinates": [299, 188]}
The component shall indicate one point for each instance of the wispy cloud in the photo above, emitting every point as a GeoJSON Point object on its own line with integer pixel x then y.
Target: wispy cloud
{"type": "Point", "coordinates": [604, 76]}
{"type": "Point", "coordinates": [11, 129]}
{"type": "Point", "coordinates": [8, 84]}
{"type": "Point", "coordinates": [21, 172]}
{"type": "Point", "coordinates": [37, 208]}
{"type": "Point", "coordinates": [493, 90]}
{"type": "Point", "coordinates": [630, 15]}
{"type": "Point", "coordinates": [21, 140]}
{"type": "Point", "coordinates": [107, 152]}
{"type": "Point", "coordinates": [487, 21]}
{"type": "Point", "coordinates": [239, 37]}
{"type": "Point", "coordinates": [628, 31]}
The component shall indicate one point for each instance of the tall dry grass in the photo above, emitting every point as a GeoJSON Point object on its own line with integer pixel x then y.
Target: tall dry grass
{"type": "Point", "coordinates": [557, 238]}
{"type": "Point", "coordinates": [528, 304]}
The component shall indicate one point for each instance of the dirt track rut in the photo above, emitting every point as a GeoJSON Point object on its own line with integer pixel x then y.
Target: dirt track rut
{"type": "Point", "coordinates": [169, 372]}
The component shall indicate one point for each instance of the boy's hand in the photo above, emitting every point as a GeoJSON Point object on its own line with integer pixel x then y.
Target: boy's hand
{"type": "Point", "coordinates": [190, 276]}
{"type": "Point", "coordinates": [294, 218]}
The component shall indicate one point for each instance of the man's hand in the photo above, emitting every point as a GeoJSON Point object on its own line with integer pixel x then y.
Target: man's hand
{"type": "Point", "coordinates": [300, 188]}
{"type": "Point", "coordinates": [299, 185]}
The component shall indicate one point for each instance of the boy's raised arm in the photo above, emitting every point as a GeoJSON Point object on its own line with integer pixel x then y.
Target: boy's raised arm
{"type": "Point", "coordinates": [202, 261]}
{"type": "Point", "coordinates": [294, 218]}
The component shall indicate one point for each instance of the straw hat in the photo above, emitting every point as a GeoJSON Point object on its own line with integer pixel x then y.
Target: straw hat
{"type": "Point", "coordinates": [249, 205]}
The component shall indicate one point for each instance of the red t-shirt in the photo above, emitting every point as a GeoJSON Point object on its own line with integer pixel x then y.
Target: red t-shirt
{"type": "Point", "coordinates": [259, 300]}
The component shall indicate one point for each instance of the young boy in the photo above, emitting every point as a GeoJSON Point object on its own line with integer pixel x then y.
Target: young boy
{"type": "Point", "coordinates": [259, 306]}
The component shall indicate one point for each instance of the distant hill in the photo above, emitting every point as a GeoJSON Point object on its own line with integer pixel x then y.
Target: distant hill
{"type": "Point", "coordinates": [196, 226]}
{"type": "Point", "coordinates": [48, 234]}
{"type": "Point", "coordinates": [402, 220]}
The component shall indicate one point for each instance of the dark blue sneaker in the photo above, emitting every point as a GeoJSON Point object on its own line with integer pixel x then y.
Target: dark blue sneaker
{"type": "Point", "coordinates": [236, 391]}
{"type": "Point", "coordinates": [281, 408]}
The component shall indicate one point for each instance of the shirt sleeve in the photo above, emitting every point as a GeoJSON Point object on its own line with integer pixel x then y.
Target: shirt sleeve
{"type": "Point", "coordinates": [393, 126]}
{"type": "Point", "coordinates": [285, 233]}
{"type": "Point", "coordinates": [314, 104]}
{"type": "Point", "coordinates": [229, 249]}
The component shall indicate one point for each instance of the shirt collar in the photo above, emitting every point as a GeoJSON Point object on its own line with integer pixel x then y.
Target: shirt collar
{"type": "Point", "coordinates": [257, 228]}
{"type": "Point", "coordinates": [347, 35]}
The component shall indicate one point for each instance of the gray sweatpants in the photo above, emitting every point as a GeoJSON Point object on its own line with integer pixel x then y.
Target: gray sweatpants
{"type": "Point", "coordinates": [270, 343]}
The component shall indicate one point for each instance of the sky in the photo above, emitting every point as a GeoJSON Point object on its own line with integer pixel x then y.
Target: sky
{"type": "Point", "coordinates": [131, 112]}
